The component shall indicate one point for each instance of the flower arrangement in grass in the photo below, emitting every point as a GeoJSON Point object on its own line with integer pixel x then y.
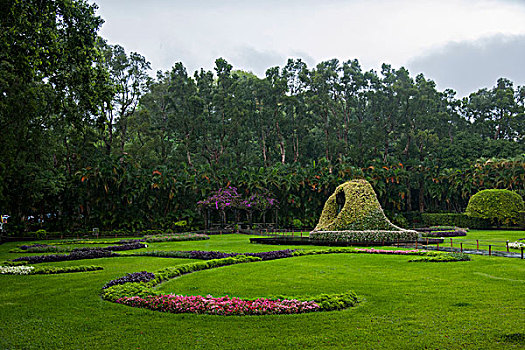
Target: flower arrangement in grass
{"type": "Point", "coordinates": [517, 245]}
{"type": "Point", "coordinates": [224, 306]}
{"type": "Point", "coordinates": [16, 270]}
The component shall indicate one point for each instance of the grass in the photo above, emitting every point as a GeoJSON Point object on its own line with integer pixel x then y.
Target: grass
{"type": "Point", "coordinates": [472, 305]}
{"type": "Point", "coordinates": [496, 238]}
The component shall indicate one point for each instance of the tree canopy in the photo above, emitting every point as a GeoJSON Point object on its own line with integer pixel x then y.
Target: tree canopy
{"type": "Point", "coordinates": [90, 139]}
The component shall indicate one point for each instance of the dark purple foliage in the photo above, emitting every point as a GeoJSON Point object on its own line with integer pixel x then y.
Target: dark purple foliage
{"type": "Point", "coordinates": [74, 255]}
{"type": "Point", "coordinates": [208, 255]}
{"type": "Point", "coordinates": [26, 247]}
{"type": "Point", "coordinates": [129, 246]}
{"type": "Point", "coordinates": [276, 254]}
{"type": "Point", "coordinates": [142, 276]}
{"type": "Point", "coordinates": [456, 233]}
{"type": "Point", "coordinates": [129, 241]}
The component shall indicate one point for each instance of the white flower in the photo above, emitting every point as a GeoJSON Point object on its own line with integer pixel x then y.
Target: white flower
{"type": "Point", "coordinates": [517, 245]}
{"type": "Point", "coordinates": [16, 270]}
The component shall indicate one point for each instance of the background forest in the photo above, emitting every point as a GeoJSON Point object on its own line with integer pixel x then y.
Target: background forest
{"type": "Point", "coordinates": [89, 139]}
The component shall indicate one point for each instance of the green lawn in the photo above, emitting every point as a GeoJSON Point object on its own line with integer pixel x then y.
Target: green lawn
{"type": "Point", "coordinates": [496, 238]}
{"type": "Point", "coordinates": [474, 305]}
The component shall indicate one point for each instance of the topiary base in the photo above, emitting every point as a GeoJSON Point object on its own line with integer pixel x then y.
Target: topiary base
{"type": "Point", "coordinates": [376, 236]}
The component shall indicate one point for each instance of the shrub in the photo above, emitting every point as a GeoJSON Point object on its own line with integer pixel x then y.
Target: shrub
{"type": "Point", "coordinates": [181, 223]}
{"type": "Point", "coordinates": [127, 290]}
{"type": "Point", "coordinates": [74, 255]}
{"type": "Point", "coordinates": [297, 223]}
{"type": "Point", "coordinates": [142, 276]}
{"type": "Point", "coordinates": [454, 219]}
{"type": "Point", "coordinates": [164, 254]}
{"type": "Point", "coordinates": [48, 270]}
{"type": "Point", "coordinates": [177, 237]}
{"type": "Point", "coordinates": [365, 236]}
{"type": "Point", "coordinates": [500, 206]}
{"type": "Point", "coordinates": [446, 232]}
{"type": "Point", "coordinates": [443, 257]}
{"type": "Point", "coordinates": [40, 234]}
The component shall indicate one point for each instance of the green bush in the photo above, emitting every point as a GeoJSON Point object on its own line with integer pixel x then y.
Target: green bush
{"type": "Point", "coordinates": [499, 206]}
{"type": "Point", "coordinates": [40, 234]}
{"type": "Point", "coordinates": [49, 270]}
{"type": "Point", "coordinates": [522, 219]}
{"type": "Point", "coordinates": [445, 257]}
{"type": "Point", "coordinates": [454, 219]}
{"type": "Point", "coordinates": [181, 223]}
{"type": "Point", "coordinates": [297, 223]}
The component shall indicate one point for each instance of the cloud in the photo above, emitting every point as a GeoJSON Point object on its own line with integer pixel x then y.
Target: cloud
{"type": "Point", "coordinates": [467, 66]}
{"type": "Point", "coordinates": [257, 61]}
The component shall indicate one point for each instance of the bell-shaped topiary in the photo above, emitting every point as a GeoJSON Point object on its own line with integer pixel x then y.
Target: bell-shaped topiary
{"type": "Point", "coordinates": [499, 206]}
{"type": "Point", "coordinates": [354, 206]}
{"type": "Point", "coordinates": [353, 214]}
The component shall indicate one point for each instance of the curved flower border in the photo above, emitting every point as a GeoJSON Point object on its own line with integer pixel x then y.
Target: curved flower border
{"type": "Point", "coordinates": [136, 290]}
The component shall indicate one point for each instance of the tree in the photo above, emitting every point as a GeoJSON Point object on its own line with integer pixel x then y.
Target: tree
{"type": "Point", "coordinates": [128, 78]}
{"type": "Point", "coordinates": [49, 78]}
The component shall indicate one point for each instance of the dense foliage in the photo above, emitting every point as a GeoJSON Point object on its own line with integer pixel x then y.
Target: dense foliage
{"type": "Point", "coordinates": [89, 140]}
{"type": "Point", "coordinates": [142, 276]}
{"type": "Point", "coordinates": [501, 206]}
{"type": "Point", "coordinates": [75, 255]}
{"type": "Point", "coordinates": [354, 207]}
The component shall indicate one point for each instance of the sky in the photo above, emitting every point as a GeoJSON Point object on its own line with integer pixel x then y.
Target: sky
{"type": "Point", "coordinates": [464, 45]}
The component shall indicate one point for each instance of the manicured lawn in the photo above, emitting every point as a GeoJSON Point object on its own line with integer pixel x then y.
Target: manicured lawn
{"type": "Point", "coordinates": [496, 238]}
{"type": "Point", "coordinates": [404, 305]}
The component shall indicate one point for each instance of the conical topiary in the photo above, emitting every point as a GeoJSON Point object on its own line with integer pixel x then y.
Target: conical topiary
{"type": "Point", "coordinates": [353, 213]}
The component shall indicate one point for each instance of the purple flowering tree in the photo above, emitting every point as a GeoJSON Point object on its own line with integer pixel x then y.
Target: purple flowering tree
{"type": "Point", "coordinates": [229, 199]}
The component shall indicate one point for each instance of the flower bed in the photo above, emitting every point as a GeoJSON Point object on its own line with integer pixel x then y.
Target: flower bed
{"type": "Point", "coordinates": [75, 255]}
{"type": "Point", "coordinates": [142, 276]}
{"type": "Point", "coordinates": [177, 237]}
{"type": "Point", "coordinates": [224, 306]}
{"type": "Point", "coordinates": [517, 245]}
{"type": "Point", "coordinates": [444, 231]}
{"type": "Point", "coordinates": [16, 270]}
{"type": "Point", "coordinates": [46, 270]}
{"type": "Point", "coordinates": [137, 290]}
{"type": "Point", "coordinates": [209, 255]}
{"type": "Point", "coordinates": [393, 252]}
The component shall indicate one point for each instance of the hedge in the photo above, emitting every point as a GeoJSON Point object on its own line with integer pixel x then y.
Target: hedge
{"type": "Point", "coordinates": [454, 219]}
{"type": "Point", "coordinates": [500, 206]}
{"type": "Point", "coordinates": [372, 236]}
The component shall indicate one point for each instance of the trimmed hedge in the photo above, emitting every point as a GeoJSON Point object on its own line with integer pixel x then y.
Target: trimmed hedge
{"type": "Point", "coordinates": [361, 210]}
{"type": "Point", "coordinates": [454, 219]}
{"type": "Point", "coordinates": [499, 206]}
{"type": "Point", "coordinates": [447, 257]}
{"type": "Point", "coordinates": [365, 236]}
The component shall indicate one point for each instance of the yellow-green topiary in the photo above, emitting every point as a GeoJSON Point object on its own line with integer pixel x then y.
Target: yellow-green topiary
{"type": "Point", "coordinates": [353, 213]}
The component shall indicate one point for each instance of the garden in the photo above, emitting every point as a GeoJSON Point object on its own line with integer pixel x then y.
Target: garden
{"type": "Point", "coordinates": [321, 207]}
{"type": "Point", "coordinates": [206, 290]}
{"type": "Point", "coordinates": [376, 299]}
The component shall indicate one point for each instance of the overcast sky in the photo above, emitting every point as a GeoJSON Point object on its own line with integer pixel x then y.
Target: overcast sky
{"type": "Point", "coordinates": [461, 44]}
